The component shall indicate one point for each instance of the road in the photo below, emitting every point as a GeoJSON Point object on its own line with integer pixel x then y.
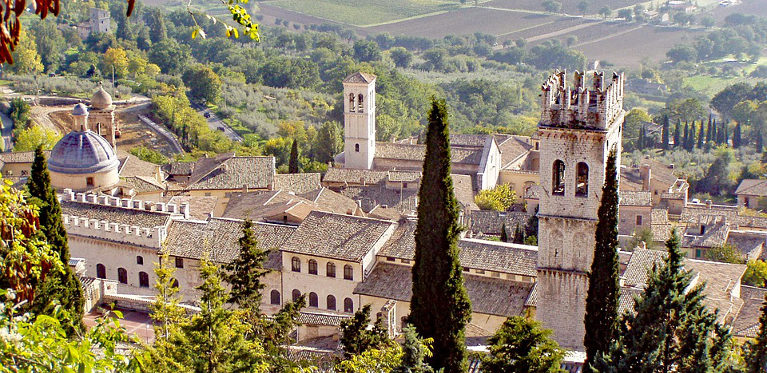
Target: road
{"type": "Point", "coordinates": [216, 124]}
{"type": "Point", "coordinates": [7, 130]}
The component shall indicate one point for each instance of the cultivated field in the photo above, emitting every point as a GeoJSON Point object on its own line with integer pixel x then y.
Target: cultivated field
{"type": "Point", "coordinates": [633, 47]}
{"type": "Point", "coordinates": [366, 12]}
{"type": "Point", "coordinates": [568, 6]}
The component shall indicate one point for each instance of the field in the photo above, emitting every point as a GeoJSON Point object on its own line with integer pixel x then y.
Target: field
{"type": "Point", "coordinates": [632, 47]}
{"type": "Point", "coordinates": [569, 7]}
{"type": "Point", "coordinates": [366, 12]}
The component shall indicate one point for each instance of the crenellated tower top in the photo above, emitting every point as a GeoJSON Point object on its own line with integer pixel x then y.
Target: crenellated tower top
{"type": "Point", "coordinates": [579, 106]}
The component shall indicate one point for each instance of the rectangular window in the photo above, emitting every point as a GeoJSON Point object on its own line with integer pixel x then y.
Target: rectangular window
{"type": "Point", "coordinates": [639, 219]}
{"type": "Point", "coordinates": [179, 262]}
{"type": "Point", "coordinates": [697, 253]}
{"type": "Point", "coordinates": [406, 261]}
{"type": "Point", "coordinates": [89, 181]}
{"type": "Point", "coordinates": [390, 259]}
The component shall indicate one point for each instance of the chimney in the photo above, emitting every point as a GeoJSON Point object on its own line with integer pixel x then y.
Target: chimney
{"type": "Point", "coordinates": [645, 173]}
{"type": "Point", "coordinates": [172, 208]}
{"type": "Point", "coordinates": [185, 209]}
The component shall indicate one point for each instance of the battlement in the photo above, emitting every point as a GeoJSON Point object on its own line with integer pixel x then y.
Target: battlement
{"type": "Point", "coordinates": [103, 229]}
{"type": "Point", "coordinates": [597, 107]}
{"type": "Point", "coordinates": [126, 203]}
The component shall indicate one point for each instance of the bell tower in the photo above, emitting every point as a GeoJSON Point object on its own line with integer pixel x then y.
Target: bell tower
{"type": "Point", "coordinates": [359, 120]}
{"type": "Point", "coordinates": [578, 128]}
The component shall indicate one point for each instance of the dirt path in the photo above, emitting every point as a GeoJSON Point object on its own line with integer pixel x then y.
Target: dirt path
{"type": "Point", "coordinates": [608, 36]}
{"type": "Point", "coordinates": [562, 32]}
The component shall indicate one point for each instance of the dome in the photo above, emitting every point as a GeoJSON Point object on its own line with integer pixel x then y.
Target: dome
{"type": "Point", "coordinates": [80, 109]}
{"type": "Point", "coordinates": [82, 152]}
{"type": "Point", "coordinates": [101, 99]}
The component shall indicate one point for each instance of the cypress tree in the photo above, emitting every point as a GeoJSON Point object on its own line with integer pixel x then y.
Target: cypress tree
{"type": "Point", "coordinates": [244, 273]}
{"type": "Point", "coordinates": [678, 133]}
{"type": "Point", "coordinates": [686, 138]}
{"type": "Point", "coordinates": [665, 132]}
{"type": "Point", "coordinates": [293, 163]}
{"type": "Point", "coordinates": [700, 135]}
{"type": "Point", "coordinates": [604, 288]}
{"type": "Point", "coordinates": [713, 132]}
{"type": "Point", "coordinates": [519, 236]}
{"type": "Point", "coordinates": [440, 306]}
{"type": "Point", "coordinates": [755, 353]}
{"type": "Point", "coordinates": [63, 286]}
{"type": "Point", "coordinates": [708, 130]}
{"type": "Point", "coordinates": [726, 131]}
{"type": "Point", "coordinates": [671, 329]}
{"type": "Point", "coordinates": [504, 235]}
{"type": "Point", "coordinates": [641, 140]}
{"type": "Point", "coordinates": [759, 141]}
{"type": "Point", "coordinates": [736, 136]}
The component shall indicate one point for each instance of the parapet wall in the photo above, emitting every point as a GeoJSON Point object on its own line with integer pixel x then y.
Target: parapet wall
{"type": "Point", "coordinates": [108, 230]}
{"type": "Point", "coordinates": [580, 106]}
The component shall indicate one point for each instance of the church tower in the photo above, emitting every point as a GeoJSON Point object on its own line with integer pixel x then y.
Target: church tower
{"type": "Point", "coordinates": [102, 116]}
{"type": "Point", "coordinates": [359, 120]}
{"type": "Point", "coordinates": [578, 128]}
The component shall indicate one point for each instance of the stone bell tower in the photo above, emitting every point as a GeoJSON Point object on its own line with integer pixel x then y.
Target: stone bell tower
{"type": "Point", "coordinates": [359, 120]}
{"type": "Point", "coordinates": [578, 128]}
{"type": "Point", "coordinates": [102, 116]}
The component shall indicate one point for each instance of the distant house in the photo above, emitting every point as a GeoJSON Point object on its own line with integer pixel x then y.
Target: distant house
{"type": "Point", "coordinates": [100, 22]}
{"type": "Point", "coordinates": [751, 193]}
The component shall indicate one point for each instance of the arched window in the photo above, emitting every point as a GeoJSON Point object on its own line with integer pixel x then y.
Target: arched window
{"type": "Point", "coordinates": [313, 300]}
{"type": "Point", "coordinates": [296, 264]}
{"type": "Point", "coordinates": [101, 271]}
{"type": "Point", "coordinates": [359, 104]}
{"type": "Point", "coordinates": [275, 297]}
{"type": "Point", "coordinates": [348, 305]}
{"type": "Point", "coordinates": [312, 267]}
{"type": "Point", "coordinates": [331, 303]}
{"type": "Point", "coordinates": [348, 272]}
{"type": "Point", "coordinates": [352, 106]}
{"type": "Point", "coordinates": [330, 270]}
{"type": "Point", "coordinates": [122, 275]}
{"type": "Point", "coordinates": [140, 260]}
{"type": "Point", "coordinates": [357, 148]}
{"type": "Point", "coordinates": [174, 283]}
{"type": "Point", "coordinates": [143, 279]}
{"type": "Point", "coordinates": [558, 178]}
{"type": "Point", "coordinates": [582, 180]}
{"type": "Point", "coordinates": [296, 294]}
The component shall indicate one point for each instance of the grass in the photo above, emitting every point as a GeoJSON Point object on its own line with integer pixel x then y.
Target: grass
{"type": "Point", "coordinates": [366, 12]}
{"type": "Point", "coordinates": [709, 85]}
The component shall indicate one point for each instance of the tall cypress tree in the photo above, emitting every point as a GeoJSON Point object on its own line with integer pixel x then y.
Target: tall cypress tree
{"type": "Point", "coordinates": [726, 131]}
{"type": "Point", "coordinates": [736, 136]}
{"type": "Point", "coordinates": [686, 139]}
{"type": "Point", "coordinates": [64, 286]}
{"type": "Point", "coordinates": [756, 350]}
{"type": "Point", "coordinates": [759, 141]}
{"type": "Point", "coordinates": [504, 235]}
{"type": "Point", "coordinates": [519, 236]}
{"type": "Point", "coordinates": [665, 130]}
{"type": "Point", "coordinates": [293, 162]}
{"type": "Point", "coordinates": [700, 135]}
{"type": "Point", "coordinates": [678, 133]}
{"type": "Point", "coordinates": [440, 306]}
{"type": "Point", "coordinates": [708, 129]}
{"type": "Point", "coordinates": [244, 273]}
{"type": "Point", "coordinates": [641, 142]}
{"type": "Point", "coordinates": [604, 287]}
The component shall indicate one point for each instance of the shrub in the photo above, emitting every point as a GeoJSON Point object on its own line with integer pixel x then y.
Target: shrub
{"type": "Point", "coordinates": [499, 198]}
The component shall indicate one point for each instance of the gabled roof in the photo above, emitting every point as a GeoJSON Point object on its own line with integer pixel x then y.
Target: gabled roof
{"type": "Point", "coordinates": [360, 77]}
{"type": "Point", "coordinates": [297, 183]}
{"type": "Point", "coordinates": [342, 237]}
{"type": "Point", "coordinates": [747, 322]}
{"type": "Point", "coordinates": [752, 187]}
{"type": "Point", "coordinates": [229, 172]}
{"type": "Point", "coordinates": [140, 184]}
{"type": "Point", "coordinates": [417, 152]}
{"type": "Point", "coordinates": [353, 176]}
{"type": "Point", "coordinates": [257, 205]}
{"type": "Point", "coordinates": [633, 198]}
{"type": "Point", "coordinates": [114, 214]}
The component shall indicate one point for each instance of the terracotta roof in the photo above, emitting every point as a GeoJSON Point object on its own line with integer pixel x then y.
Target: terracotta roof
{"type": "Point", "coordinates": [752, 187]}
{"type": "Point", "coordinates": [141, 184]}
{"type": "Point", "coordinates": [632, 198]}
{"type": "Point", "coordinates": [488, 295]}
{"type": "Point", "coordinates": [353, 176]}
{"type": "Point", "coordinates": [476, 254]}
{"type": "Point", "coordinates": [219, 238]}
{"type": "Point", "coordinates": [747, 322]}
{"type": "Point", "coordinates": [297, 183]}
{"type": "Point", "coordinates": [337, 236]}
{"type": "Point", "coordinates": [113, 214]}
{"type": "Point", "coordinates": [417, 152]}
{"type": "Point", "coordinates": [360, 77]}
{"type": "Point", "coordinates": [200, 207]}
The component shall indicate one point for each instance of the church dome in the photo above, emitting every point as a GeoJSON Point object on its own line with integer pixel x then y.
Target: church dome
{"type": "Point", "coordinates": [82, 152]}
{"type": "Point", "coordinates": [80, 109]}
{"type": "Point", "coordinates": [101, 99]}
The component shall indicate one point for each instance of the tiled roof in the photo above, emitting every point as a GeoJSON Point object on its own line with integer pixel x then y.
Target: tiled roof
{"type": "Point", "coordinates": [532, 299]}
{"type": "Point", "coordinates": [640, 263]}
{"type": "Point", "coordinates": [694, 213]}
{"type": "Point", "coordinates": [234, 173]}
{"type": "Point", "coordinates": [631, 177]}
{"type": "Point", "coordinates": [488, 295]}
{"type": "Point", "coordinates": [297, 183]}
{"type": "Point", "coordinates": [463, 187]}
{"type": "Point", "coordinates": [386, 213]}
{"type": "Point", "coordinates": [353, 176]}
{"type": "Point", "coordinates": [259, 204]}
{"type": "Point", "coordinates": [321, 318]}
{"type": "Point", "coordinates": [359, 77]}
{"type": "Point", "coordinates": [491, 221]}
{"type": "Point", "coordinates": [132, 166]}
{"type": "Point", "coordinates": [337, 236]}
{"type": "Point", "coordinates": [715, 235]}
{"type": "Point", "coordinates": [21, 157]}
{"type": "Point", "coordinates": [417, 152]}
{"type": "Point", "coordinates": [752, 187]}
{"type": "Point", "coordinates": [140, 184]}
{"type": "Point", "coordinates": [751, 244]}
{"type": "Point", "coordinates": [179, 168]}
{"type": "Point", "coordinates": [468, 140]}
{"type": "Point", "coordinates": [631, 198]}
{"type": "Point", "coordinates": [328, 200]}
{"type": "Point", "coordinates": [113, 214]}
{"type": "Point", "coordinates": [626, 300]}
{"type": "Point", "coordinates": [475, 254]}
{"type": "Point", "coordinates": [219, 238]}
{"type": "Point", "coordinates": [659, 216]}
{"type": "Point", "coordinates": [747, 322]}
{"type": "Point", "coordinates": [404, 176]}
{"type": "Point", "coordinates": [512, 147]}
{"type": "Point", "coordinates": [378, 195]}
{"type": "Point", "coordinates": [200, 207]}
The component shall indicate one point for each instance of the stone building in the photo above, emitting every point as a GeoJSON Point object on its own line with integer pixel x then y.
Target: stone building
{"type": "Point", "coordinates": [579, 126]}
{"type": "Point", "coordinates": [752, 193]}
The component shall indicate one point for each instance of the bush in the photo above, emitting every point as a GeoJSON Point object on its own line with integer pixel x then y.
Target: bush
{"type": "Point", "coordinates": [499, 198]}
{"type": "Point", "coordinates": [756, 273]}
{"type": "Point", "coordinates": [148, 155]}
